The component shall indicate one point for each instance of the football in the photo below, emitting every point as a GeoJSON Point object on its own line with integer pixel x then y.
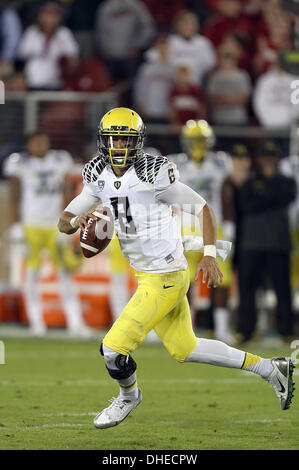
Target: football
{"type": "Point", "coordinates": [98, 234]}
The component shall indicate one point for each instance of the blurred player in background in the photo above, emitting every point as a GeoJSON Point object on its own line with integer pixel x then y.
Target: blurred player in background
{"type": "Point", "coordinates": [37, 189]}
{"type": "Point", "coordinates": [204, 170]}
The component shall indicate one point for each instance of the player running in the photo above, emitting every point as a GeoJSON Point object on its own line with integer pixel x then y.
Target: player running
{"type": "Point", "coordinates": [141, 189]}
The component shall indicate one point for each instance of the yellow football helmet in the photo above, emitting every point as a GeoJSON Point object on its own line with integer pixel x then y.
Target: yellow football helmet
{"type": "Point", "coordinates": [121, 135]}
{"type": "Point", "coordinates": [196, 138]}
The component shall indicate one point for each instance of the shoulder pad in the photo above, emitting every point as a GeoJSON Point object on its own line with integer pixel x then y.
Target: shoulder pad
{"type": "Point", "coordinates": [147, 167]}
{"type": "Point", "coordinates": [92, 169]}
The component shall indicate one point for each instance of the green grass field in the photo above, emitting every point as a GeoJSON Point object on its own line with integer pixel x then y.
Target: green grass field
{"type": "Point", "coordinates": [51, 390]}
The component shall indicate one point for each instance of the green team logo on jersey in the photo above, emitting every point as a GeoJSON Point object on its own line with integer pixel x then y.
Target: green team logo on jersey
{"type": "Point", "coordinates": [117, 184]}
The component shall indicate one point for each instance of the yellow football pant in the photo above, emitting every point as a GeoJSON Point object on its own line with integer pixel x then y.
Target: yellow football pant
{"type": "Point", "coordinates": [39, 239]}
{"type": "Point", "coordinates": [159, 303]}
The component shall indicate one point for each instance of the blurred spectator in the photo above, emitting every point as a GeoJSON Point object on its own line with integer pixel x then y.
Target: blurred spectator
{"type": "Point", "coordinates": [153, 83]}
{"type": "Point", "coordinates": [273, 35]}
{"type": "Point", "coordinates": [272, 99]}
{"type": "Point", "coordinates": [203, 9]}
{"type": "Point", "coordinates": [10, 34]}
{"type": "Point", "coordinates": [189, 45]}
{"type": "Point", "coordinates": [237, 46]}
{"type": "Point", "coordinates": [80, 18]}
{"type": "Point", "coordinates": [85, 75]}
{"type": "Point", "coordinates": [186, 98]}
{"type": "Point", "coordinates": [229, 20]}
{"type": "Point", "coordinates": [80, 14]}
{"type": "Point", "coordinates": [164, 13]}
{"type": "Point", "coordinates": [265, 242]}
{"type": "Point", "coordinates": [123, 29]}
{"type": "Point", "coordinates": [37, 180]}
{"type": "Point", "coordinates": [229, 90]}
{"type": "Point", "coordinates": [42, 47]}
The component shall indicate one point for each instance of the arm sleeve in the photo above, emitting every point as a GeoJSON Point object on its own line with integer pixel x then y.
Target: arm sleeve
{"type": "Point", "coordinates": [181, 195]}
{"type": "Point", "coordinates": [83, 202]}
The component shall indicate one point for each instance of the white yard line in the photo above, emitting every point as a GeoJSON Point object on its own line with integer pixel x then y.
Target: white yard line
{"type": "Point", "coordinates": [248, 421]}
{"type": "Point", "coordinates": [53, 425]}
{"type": "Point", "coordinates": [96, 383]}
{"type": "Point", "coordinates": [68, 414]}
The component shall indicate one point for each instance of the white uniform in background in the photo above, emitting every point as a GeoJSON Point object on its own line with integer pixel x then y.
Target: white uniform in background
{"type": "Point", "coordinates": [41, 202]}
{"type": "Point", "coordinates": [206, 178]}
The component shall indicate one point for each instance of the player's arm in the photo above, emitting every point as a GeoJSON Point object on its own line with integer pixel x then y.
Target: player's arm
{"type": "Point", "coordinates": [180, 195]}
{"type": "Point", "coordinates": [78, 212]}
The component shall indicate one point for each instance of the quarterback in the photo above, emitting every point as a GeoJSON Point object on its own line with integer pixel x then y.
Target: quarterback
{"type": "Point", "coordinates": [141, 189]}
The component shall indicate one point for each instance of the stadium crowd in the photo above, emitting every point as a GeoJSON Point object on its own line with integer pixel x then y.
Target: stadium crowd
{"type": "Point", "coordinates": [185, 59]}
{"type": "Point", "coordinates": [181, 60]}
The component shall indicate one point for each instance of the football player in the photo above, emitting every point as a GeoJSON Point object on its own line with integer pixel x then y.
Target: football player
{"type": "Point", "coordinates": [37, 183]}
{"type": "Point", "coordinates": [141, 189]}
{"type": "Point", "coordinates": [204, 171]}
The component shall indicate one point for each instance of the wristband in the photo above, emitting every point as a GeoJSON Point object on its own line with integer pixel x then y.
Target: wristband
{"type": "Point", "coordinates": [73, 222]}
{"type": "Point", "coordinates": [210, 250]}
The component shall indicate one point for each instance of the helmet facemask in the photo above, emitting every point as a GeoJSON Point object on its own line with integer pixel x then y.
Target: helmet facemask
{"type": "Point", "coordinates": [120, 149]}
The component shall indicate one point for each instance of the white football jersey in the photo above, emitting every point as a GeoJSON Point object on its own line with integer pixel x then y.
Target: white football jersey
{"type": "Point", "coordinates": [42, 183]}
{"type": "Point", "coordinates": [148, 232]}
{"type": "Point", "coordinates": [205, 178]}
{"type": "Point", "coordinates": [289, 166]}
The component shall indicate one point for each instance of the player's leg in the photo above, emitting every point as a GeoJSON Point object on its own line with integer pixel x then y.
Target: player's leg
{"type": "Point", "coordinates": [34, 245]}
{"type": "Point", "coordinates": [175, 330]}
{"type": "Point", "coordinates": [155, 296]}
{"type": "Point", "coordinates": [70, 301]}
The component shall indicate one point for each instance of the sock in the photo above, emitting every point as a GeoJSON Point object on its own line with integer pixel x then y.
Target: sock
{"type": "Point", "coordinates": [257, 365]}
{"type": "Point", "coordinates": [221, 322]}
{"type": "Point", "coordinates": [32, 300]}
{"type": "Point", "coordinates": [128, 388]}
{"type": "Point", "coordinates": [210, 351]}
{"type": "Point", "coordinates": [70, 301]}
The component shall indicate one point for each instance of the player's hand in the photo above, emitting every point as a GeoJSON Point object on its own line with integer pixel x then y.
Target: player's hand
{"type": "Point", "coordinates": [83, 219]}
{"type": "Point", "coordinates": [210, 271]}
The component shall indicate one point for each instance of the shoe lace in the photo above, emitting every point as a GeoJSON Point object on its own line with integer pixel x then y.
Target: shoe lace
{"type": "Point", "coordinates": [119, 402]}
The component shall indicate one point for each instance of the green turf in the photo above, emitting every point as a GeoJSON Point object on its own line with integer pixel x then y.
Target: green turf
{"type": "Point", "coordinates": [51, 389]}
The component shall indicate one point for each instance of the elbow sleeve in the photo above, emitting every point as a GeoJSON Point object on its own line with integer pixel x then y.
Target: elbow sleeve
{"type": "Point", "coordinates": [179, 194]}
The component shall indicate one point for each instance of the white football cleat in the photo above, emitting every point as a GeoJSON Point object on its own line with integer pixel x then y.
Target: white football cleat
{"type": "Point", "coordinates": [119, 409]}
{"type": "Point", "coordinates": [281, 379]}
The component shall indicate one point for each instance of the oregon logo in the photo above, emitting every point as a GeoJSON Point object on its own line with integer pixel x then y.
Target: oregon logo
{"type": "Point", "coordinates": [117, 184]}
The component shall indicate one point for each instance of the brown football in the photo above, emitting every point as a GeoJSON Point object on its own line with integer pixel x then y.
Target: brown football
{"type": "Point", "coordinates": [97, 235]}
